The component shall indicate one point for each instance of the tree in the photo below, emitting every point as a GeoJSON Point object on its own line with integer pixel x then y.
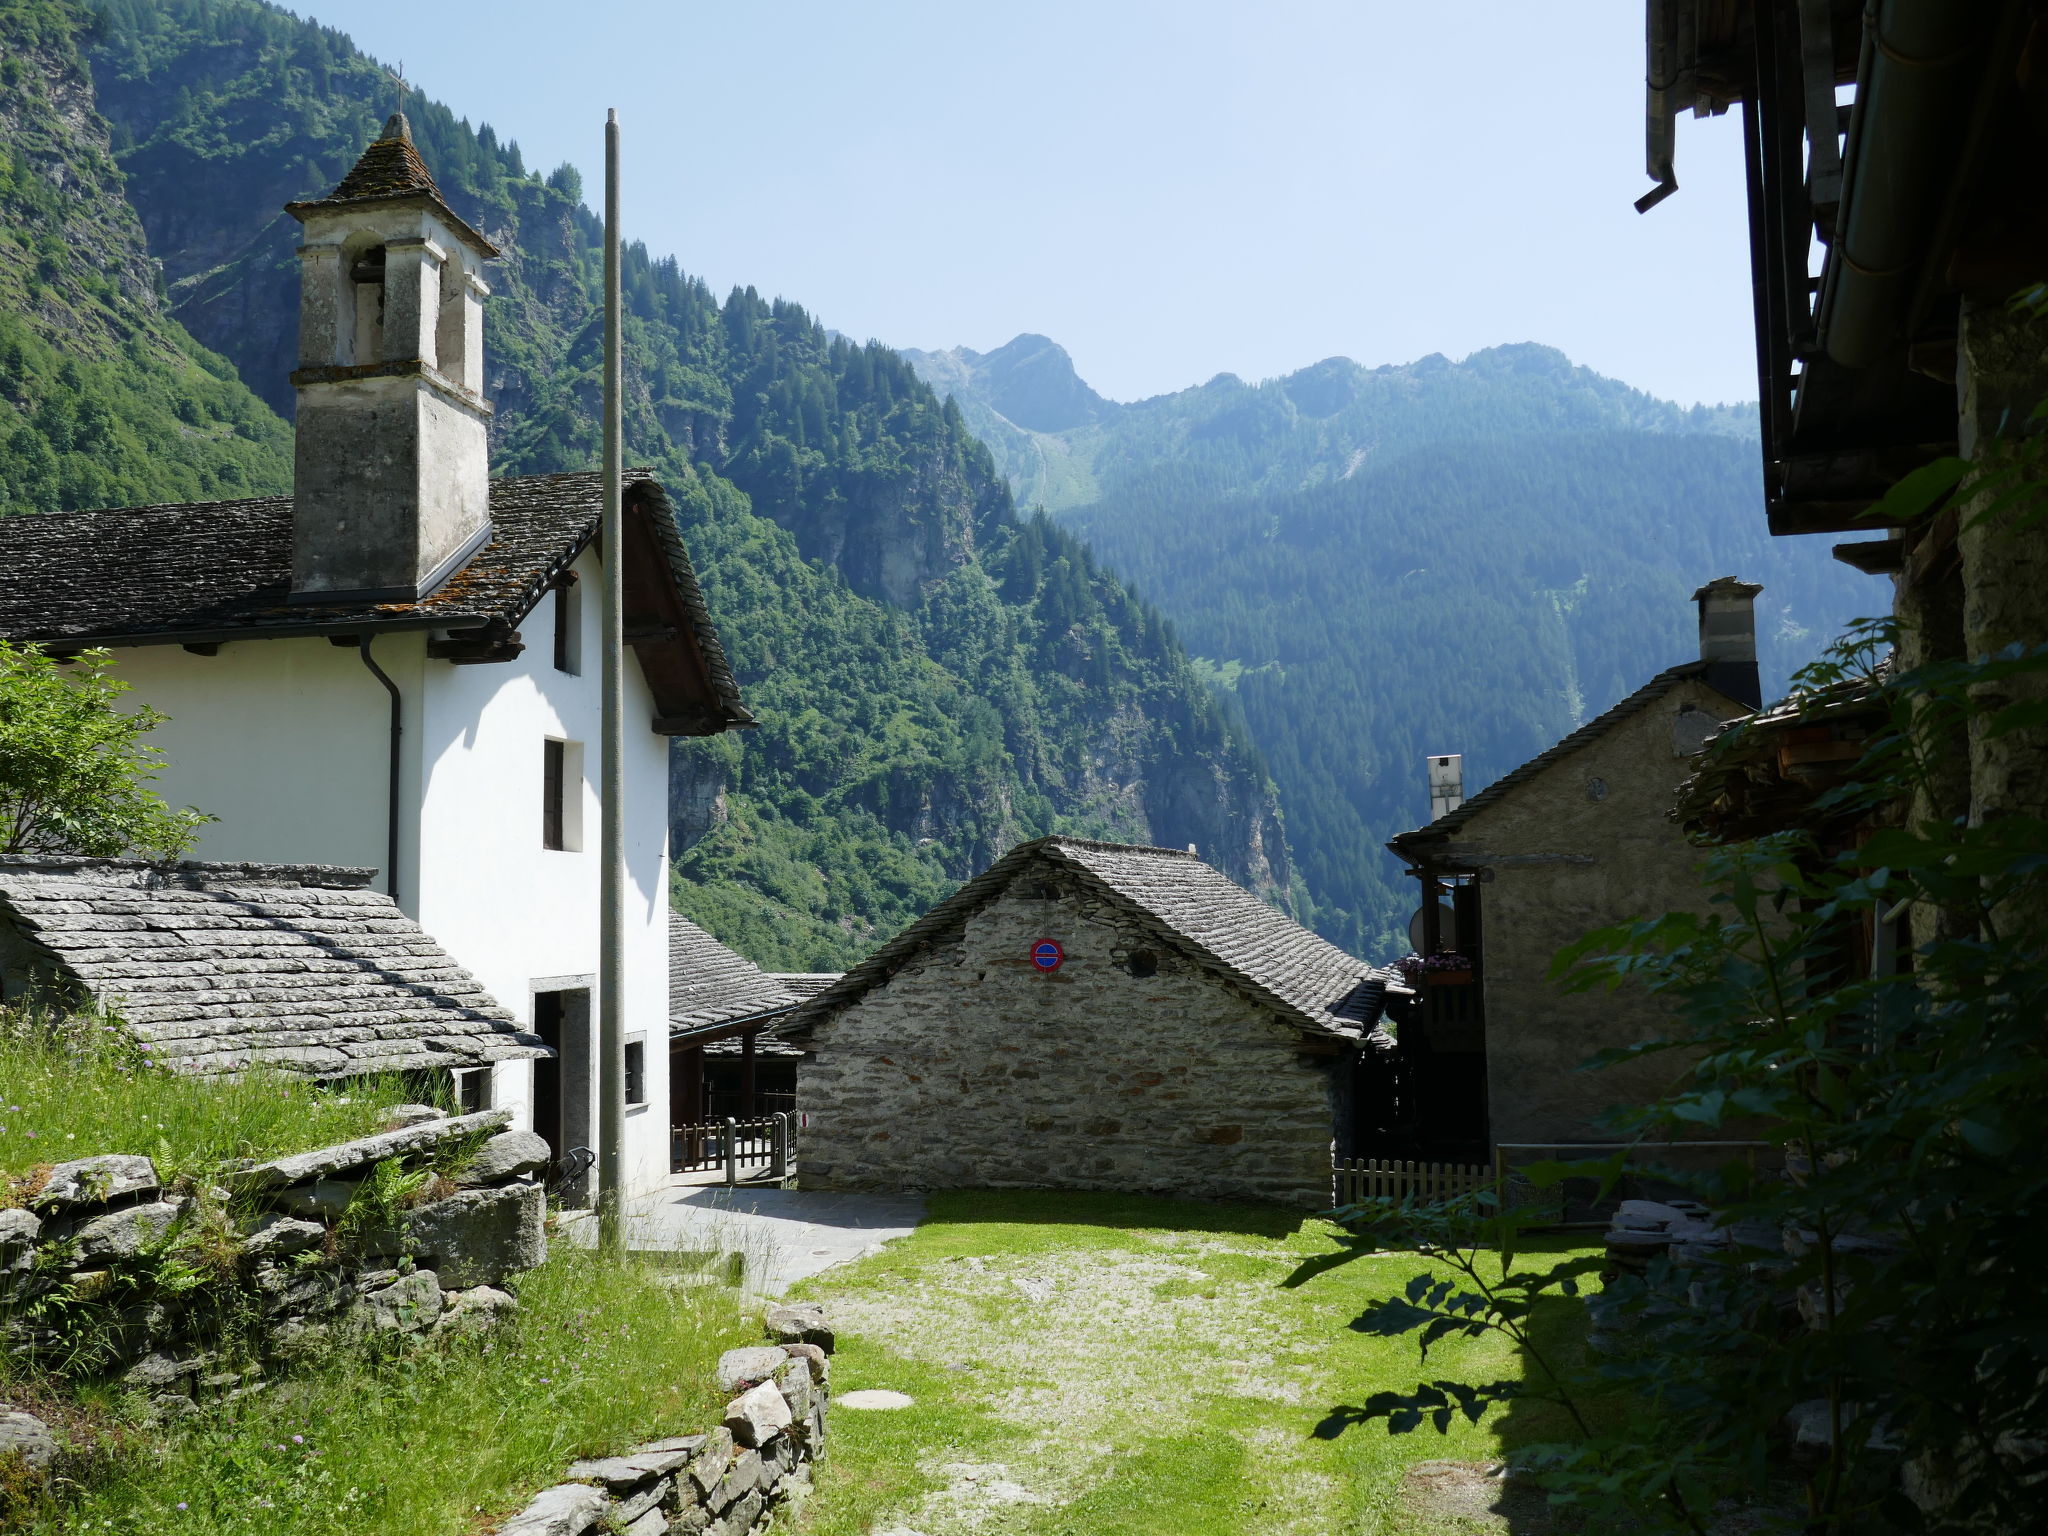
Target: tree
{"type": "Point", "coordinates": [74, 770]}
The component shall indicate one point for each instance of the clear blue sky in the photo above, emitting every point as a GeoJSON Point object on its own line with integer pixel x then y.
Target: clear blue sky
{"type": "Point", "coordinates": [1171, 190]}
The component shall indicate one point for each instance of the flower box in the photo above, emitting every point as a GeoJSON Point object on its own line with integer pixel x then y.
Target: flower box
{"type": "Point", "coordinates": [1447, 978]}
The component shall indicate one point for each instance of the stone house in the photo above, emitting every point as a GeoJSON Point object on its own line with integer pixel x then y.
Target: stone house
{"type": "Point", "coordinates": [726, 1017]}
{"type": "Point", "coordinates": [1579, 837]}
{"type": "Point", "coordinates": [395, 665]}
{"type": "Point", "coordinates": [1088, 1015]}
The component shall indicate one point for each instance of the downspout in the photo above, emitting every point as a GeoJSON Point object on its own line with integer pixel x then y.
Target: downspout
{"type": "Point", "coordinates": [391, 787]}
{"type": "Point", "coordinates": [1918, 64]}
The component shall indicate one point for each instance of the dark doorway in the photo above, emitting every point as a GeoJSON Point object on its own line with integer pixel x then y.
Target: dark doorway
{"type": "Point", "coordinates": [547, 1072]}
{"type": "Point", "coordinates": [563, 1100]}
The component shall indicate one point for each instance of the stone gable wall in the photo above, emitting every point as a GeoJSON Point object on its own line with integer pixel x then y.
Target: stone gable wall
{"type": "Point", "coordinates": [969, 1069]}
{"type": "Point", "coordinates": [1587, 843]}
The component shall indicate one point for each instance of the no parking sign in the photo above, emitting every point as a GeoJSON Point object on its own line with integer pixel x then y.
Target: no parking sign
{"type": "Point", "coordinates": [1047, 956]}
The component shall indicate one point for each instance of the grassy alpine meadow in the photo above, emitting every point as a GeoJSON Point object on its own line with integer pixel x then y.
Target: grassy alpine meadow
{"type": "Point", "coordinates": [438, 1440]}
{"type": "Point", "coordinates": [1092, 1363]}
{"type": "Point", "coordinates": [80, 1086]}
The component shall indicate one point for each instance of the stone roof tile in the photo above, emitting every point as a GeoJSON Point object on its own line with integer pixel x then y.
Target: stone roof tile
{"type": "Point", "coordinates": [1195, 909]}
{"type": "Point", "coordinates": [221, 570]}
{"type": "Point", "coordinates": [309, 1001]}
{"type": "Point", "coordinates": [710, 986]}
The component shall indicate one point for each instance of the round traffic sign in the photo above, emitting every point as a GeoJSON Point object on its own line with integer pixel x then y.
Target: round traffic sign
{"type": "Point", "coordinates": [1048, 956]}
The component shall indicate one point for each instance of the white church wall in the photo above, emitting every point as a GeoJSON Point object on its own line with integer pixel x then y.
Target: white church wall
{"type": "Point", "coordinates": [285, 741]}
{"type": "Point", "coordinates": [514, 911]}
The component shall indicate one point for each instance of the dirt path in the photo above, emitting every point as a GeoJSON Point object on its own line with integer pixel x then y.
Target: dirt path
{"type": "Point", "coordinates": [1094, 1364]}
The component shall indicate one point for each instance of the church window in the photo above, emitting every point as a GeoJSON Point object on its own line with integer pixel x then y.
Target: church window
{"type": "Point", "coordinates": [366, 271]}
{"type": "Point", "coordinates": [568, 625]}
{"type": "Point", "coordinates": [561, 807]}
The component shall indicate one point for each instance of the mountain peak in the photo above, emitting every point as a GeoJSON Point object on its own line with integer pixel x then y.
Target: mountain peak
{"type": "Point", "coordinates": [1029, 380]}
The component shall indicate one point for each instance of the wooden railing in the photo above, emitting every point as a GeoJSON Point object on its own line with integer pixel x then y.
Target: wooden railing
{"type": "Point", "coordinates": [737, 1146]}
{"type": "Point", "coordinates": [1366, 1178]}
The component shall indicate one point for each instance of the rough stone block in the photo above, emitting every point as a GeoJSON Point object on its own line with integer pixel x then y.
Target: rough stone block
{"type": "Point", "coordinates": [651, 1523]}
{"type": "Point", "coordinates": [821, 1368]}
{"type": "Point", "coordinates": [275, 1236]}
{"type": "Point", "coordinates": [506, 1156]}
{"type": "Point", "coordinates": [743, 1516]}
{"type": "Point", "coordinates": [480, 1236]}
{"type": "Point", "coordinates": [757, 1415]}
{"type": "Point", "coordinates": [26, 1436]}
{"type": "Point", "coordinates": [324, 1198]}
{"type": "Point", "coordinates": [801, 1323]}
{"type": "Point", "coordinates": [97, 1180]}
{"type": "Point", "coordinates": [404, 1115]}
{"type": "Point", "coordinates": [708, 1465]}
{"type": "Point", "coordinates": [124, 1233]}
{"type": "Point", "coordinates": [689, 1520]}
{"type": "Point", "coordinates": [793, 1381]}
{"type": "Point", "coordinates": [631, 1507]}
{"type": "Point", "coordinates": [18, 1233]}
{"type": "Point", "coordinates": [739, 1369]}
{"type": "Point", "coordinates": [478, 1308]}
{"type": "Point", "coordinates": [743, 1478]}
{"type": "Point", "coordinates": [409, 1304]}
{"type": "Point", "coordinates": [568, 1509]}
{"type": "Point", "coordinates": [346, 1157]}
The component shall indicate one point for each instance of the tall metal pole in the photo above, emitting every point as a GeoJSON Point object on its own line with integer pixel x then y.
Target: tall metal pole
{"type": "Point", "coordinates": [611, 979]}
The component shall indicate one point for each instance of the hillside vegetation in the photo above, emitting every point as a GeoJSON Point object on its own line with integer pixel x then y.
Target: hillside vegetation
{"type": "Point", "coordinates": [937, 678]}
{"type": "Point", "coordinates": [104, 399]}
{"type": "Point", "coordinates": [1376, 565]}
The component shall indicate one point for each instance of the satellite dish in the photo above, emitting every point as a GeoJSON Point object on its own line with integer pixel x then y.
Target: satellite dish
{"type": "Point", "coordinates": [1446, 927]}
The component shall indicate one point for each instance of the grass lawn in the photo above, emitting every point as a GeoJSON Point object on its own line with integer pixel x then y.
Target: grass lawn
{"type": "Point", "coordinates": [1088, 1364]}
{"type": "Point", "coordinates": [437, 1441]}
{"type": "Point", "coordinates": [82, 1088]}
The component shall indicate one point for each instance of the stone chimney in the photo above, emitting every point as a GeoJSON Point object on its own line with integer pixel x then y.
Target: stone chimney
{"type": "Point", "coordinates": [1446, 773]}
{"type": "Point", "coordinates": [392, 476]}
{"type": "Point", "coordinates": [1728, 638]}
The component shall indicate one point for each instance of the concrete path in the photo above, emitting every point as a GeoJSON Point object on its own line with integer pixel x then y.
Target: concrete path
{"type": "Point", "coordinates": [786, 1235]}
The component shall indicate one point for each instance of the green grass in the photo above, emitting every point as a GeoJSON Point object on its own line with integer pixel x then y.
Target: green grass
{"type": "Point", "coordinates": [86, 1089]}
{"type": "Point", "coordinates": [1165, 1386]}
{"type": "Point", "coordinates": [436, 1441]}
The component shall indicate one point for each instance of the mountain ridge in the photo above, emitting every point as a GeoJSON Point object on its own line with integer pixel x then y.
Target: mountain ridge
{"type": "Point", "coordinates": [1375, 565]}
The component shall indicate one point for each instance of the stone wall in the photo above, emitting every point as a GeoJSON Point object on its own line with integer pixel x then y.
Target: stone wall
{"type": "Point", "coordinates": [728, 1482]}
{"type": "Point", "coordinates": [1587, 843]}
{"type": "Point", "coordinates": [1127, 1069]}
{"type": "Point", "coordinates": [200, 1290]}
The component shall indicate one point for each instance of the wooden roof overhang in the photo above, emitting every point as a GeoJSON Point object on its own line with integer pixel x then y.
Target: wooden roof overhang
{"type": "Point", "coordinates": [1771, 772]}
{"type": "Point", "coordinates": [1925, 190]}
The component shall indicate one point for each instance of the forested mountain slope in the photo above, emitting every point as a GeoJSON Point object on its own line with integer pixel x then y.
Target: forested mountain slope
{"type": "Point", "coordinates": [936, 678]}
{"type": "Point", "coordinates": [1380, 564]}
{"type": "Point", "coordinates": [103, 398]}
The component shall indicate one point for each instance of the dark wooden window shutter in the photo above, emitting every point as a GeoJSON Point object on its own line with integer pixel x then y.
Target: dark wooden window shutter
{"type": "Point", "coordinates": [551, 794]}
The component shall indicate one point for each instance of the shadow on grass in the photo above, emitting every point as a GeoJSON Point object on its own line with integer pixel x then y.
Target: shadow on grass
{"type": "Point", "coordinates": [1087, 1208]}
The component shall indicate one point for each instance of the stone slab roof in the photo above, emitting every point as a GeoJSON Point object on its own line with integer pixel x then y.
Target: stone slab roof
{"type": "Point", "coordinates": [218, 967]}
{"type": "Point", "coordinates": [1194, 909]}
{"type": "Point", "coordinates": [205, 572]}
{"type": "Point", "coordinates": [710, 986]}
{"type": "Point", "coordinates": [1408, 843]}
{"type": "Point", "coordinates": [390, 171]}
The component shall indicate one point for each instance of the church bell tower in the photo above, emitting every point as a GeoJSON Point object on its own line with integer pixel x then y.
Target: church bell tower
{"type": "Point", "coordinates": [392, 474]}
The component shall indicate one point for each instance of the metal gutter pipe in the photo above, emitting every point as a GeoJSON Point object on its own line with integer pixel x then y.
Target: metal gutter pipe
{"type": "Point", "coordinates": [391, 784]}
{"type": "Point", "coordinates": [1915, 72]}
{"type": "Point", "coordinates": [611, 981]}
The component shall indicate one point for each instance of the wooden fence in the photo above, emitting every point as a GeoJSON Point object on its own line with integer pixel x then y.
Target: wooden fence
{"type": "Point", "coordinates": [742, 1148]}
{"type": "Point", "coordinates": [1365, 1178]}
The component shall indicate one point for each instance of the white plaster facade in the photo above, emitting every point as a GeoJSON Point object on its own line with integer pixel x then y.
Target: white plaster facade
{"type": "Point", "coordinates": [285, 741]}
